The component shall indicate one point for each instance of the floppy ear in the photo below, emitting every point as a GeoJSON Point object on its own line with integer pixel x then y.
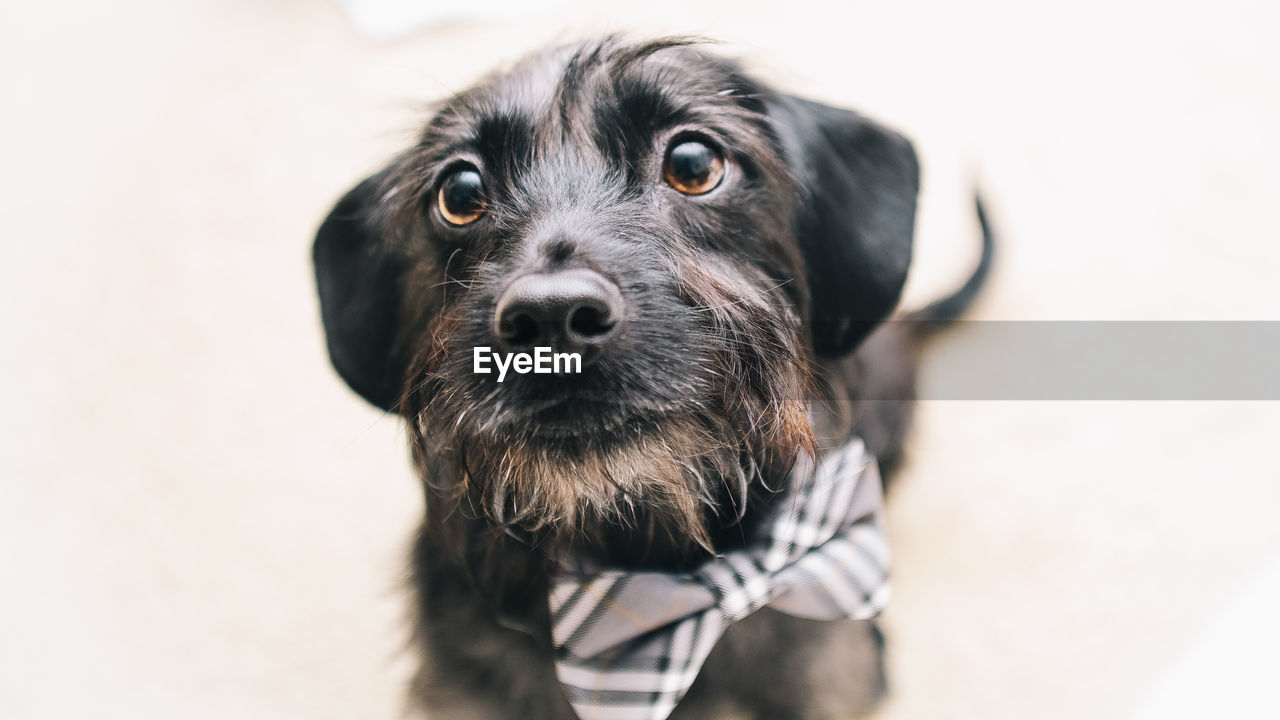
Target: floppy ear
{"type": "Point", "coordinates": [358, 276]}
{"type": "Point", "coordinates": [859, 182]}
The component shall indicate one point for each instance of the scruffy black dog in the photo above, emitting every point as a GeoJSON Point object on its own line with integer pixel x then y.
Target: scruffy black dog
{"type": "Point", "coordinates": [714, 251]}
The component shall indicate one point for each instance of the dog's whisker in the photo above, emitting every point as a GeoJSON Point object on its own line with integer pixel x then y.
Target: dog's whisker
{"type": "Point", "coordinates": [465, 285]}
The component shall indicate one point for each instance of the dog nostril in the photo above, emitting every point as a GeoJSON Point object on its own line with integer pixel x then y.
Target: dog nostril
{"type": "Point", "coordinates": [520, 331]}
{"type": "Point", "coordinates": [589, 322]}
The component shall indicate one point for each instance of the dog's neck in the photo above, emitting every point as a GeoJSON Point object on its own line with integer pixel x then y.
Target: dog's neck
{"type": "Point", "coordinates": [645, 545]}
{"type": "Point", "coordinates": [641, 543]}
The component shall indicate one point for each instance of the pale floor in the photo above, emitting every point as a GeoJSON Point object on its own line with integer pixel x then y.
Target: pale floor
{"type": "Point", "coordinates": [198, 520]}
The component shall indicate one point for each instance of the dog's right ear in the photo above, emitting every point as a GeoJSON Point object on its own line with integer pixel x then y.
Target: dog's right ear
{"type": "Point", "coordinates": [358, 277]}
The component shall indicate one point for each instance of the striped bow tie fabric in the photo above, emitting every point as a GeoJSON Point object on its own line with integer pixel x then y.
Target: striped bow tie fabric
{"type": "Point", "coordinates": [629, 644]}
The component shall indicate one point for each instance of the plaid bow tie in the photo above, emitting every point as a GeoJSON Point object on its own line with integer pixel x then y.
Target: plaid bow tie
{"type": "Point", "coordinates": [629, 644]}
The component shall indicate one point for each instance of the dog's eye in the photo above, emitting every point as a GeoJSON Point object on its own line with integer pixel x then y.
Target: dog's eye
{"type": "Point", "coordinates": [461, 197]}
{"type": "Point", "coordinates": [693, 168]}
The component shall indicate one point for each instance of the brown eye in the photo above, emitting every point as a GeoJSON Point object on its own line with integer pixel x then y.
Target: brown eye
{"type": "Point", "coordinates": [693, 168]}
{"type": "Point", "coordinates": [461, 198]}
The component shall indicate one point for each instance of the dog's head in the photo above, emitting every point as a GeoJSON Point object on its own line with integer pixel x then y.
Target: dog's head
{"type": "Point", "coordinates": [694, 236]}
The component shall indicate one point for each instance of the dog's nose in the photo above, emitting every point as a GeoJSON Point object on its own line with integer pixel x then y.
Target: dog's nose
{"type": "Point", "coordinates": [574, 310]}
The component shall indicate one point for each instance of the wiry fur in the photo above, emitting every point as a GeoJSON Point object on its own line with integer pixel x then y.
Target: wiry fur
{"type": "Point", "coordinates": [742, 309]}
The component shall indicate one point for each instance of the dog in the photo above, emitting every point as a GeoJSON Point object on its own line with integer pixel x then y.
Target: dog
{"type": "Point", "coordinates": [721, 258]}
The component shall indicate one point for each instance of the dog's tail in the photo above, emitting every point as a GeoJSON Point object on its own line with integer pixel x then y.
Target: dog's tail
{"type": "Point", "coordinates": [942, 312]}
{"type": "Point", "coordinates": [883, 425]}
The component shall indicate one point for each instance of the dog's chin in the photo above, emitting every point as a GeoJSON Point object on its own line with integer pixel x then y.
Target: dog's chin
{"type": "Point", "coordinates": [574, 420]}
{"type": "Point", "coordinates": [573, 470]}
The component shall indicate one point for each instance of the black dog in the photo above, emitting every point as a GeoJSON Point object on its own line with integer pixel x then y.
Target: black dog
{"type": "Point", "coordinates": [714, 251]}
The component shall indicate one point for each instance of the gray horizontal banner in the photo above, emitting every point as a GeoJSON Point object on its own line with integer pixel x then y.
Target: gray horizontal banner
{"type": "Point", "coordinates": [1101, 360]}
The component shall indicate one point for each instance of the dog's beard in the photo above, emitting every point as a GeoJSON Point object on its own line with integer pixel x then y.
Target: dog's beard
{"type": "Point", "coordinates": [657, 486]}
{"type": "Point", "coordinates": [567, 495]}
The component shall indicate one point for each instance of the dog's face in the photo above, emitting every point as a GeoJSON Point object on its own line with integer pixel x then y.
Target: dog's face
{"type": "Point", "coordinates": [693, 236]}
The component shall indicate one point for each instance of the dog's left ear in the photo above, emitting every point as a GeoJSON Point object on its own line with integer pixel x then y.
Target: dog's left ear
{"type": "Point", "coordinates": [859, 181]}
{"type": "Point", "coordinates": [358, 277]}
